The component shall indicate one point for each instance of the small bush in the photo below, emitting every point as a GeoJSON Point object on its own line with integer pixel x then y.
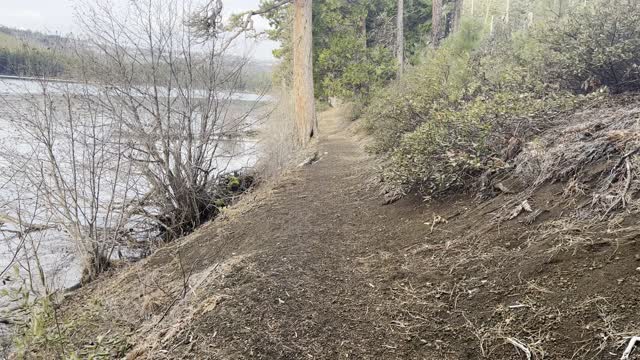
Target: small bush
{"type": "Point", "coordinates": [597, 45]}
{"type": "Point", "coordinates": [455, 147]}
{"type": "Point", "coordinates": [441, 83]}
{"type": "Point", "coordinates": [453, 118]}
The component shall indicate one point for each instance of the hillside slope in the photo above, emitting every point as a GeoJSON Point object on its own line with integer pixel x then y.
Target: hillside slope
{"type": "Point", "coordinates": [318, 268]}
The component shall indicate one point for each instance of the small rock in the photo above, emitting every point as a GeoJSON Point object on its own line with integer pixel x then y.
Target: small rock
{"type": "Point", "coordinates": [620, 281]}
{"type": "Point", "coordinates": [638, 269]}
{"type": "Point", "coordinates": [637, 256]}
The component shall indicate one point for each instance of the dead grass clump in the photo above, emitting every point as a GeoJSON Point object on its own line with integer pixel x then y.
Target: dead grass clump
{"type": "Point", "coordinates": [595, 153]}
{"type": "Point", "coordinates": [275, 137]}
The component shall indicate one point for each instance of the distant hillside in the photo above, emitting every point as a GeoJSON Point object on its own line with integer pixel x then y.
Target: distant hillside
{"type": "Point", "coordinates": [14, 38]}
{"type": "Point", "coordinates": [30, 53]}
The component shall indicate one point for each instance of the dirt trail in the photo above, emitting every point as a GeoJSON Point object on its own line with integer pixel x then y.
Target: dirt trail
{"type": "Point", "coordinates": [305, 293]}
{"type": "Point", "coordinates": [318, 268]}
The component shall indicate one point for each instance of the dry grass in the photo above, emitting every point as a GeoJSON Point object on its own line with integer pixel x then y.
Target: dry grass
{"type": "Point", "coordinates": [276, 138]}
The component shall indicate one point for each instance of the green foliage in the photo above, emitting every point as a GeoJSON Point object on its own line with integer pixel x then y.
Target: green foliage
{"type": "Point", "coordinates": [33, 326]}
{"type": "Point", "coordinates": [27, 53]}
{"type": "Point", "coordinates": [598, 45]}
{"type": "Point", "coordinates": [449, 120]}
{"type": "Point", "coordinates": [233, 183]}
{"type": "Point", "coordinates": [441, 82]}
{"type": "Point", "coordinates": [454, 147]}
{"type": "Point", "coordinates": [346, 68]}
{"type": "Point", "coordinates": [417, 24]}
{"type": "Point", "coordinates": [346, 63]}
{"type": "Point", "coordinates": [354, 43]}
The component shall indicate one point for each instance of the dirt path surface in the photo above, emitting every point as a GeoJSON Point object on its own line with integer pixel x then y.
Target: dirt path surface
{"type": "Point", "coordinates": [318, 268]}
{"type": "Point", "coordinates": [306, 292]}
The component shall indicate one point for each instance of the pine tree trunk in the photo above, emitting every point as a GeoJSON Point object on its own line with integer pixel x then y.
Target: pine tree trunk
{"type": "Point", "coordinates": [304, 99]}
{"type": "Point", "coordinates": [363, 30]}
{"type": "Point", "coordinates": [436, 23]}
{"type": "Point", "coordinates": [457, 14]}
{"type": "Point", "coordinates": [507, 12]}
{"type": "Point", "coordinates": [400, 38]}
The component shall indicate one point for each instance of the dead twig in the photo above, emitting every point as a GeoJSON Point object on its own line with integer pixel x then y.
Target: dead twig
{"type": "Point", "coordinates": [630, 347]}
{"type": "Point", "coordinates": [622, 197]}
{"type": "Point", "coordinates": [520, 346]}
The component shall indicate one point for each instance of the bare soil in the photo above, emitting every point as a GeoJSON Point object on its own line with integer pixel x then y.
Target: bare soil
{"type": "Point", "coordinates": [316, 267]}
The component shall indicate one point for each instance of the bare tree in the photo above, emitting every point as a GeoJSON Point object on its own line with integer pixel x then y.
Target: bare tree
{"type": "Point", "coordinates": [175, 96]}
{"type": "Point", "coordinates": [134, 149]}
{"type": "Point", "coordinates": [70, 158]}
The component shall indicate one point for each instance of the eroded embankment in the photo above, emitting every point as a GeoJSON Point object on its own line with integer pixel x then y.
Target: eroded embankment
{"type": "Point", "coordinates": [316, 267]}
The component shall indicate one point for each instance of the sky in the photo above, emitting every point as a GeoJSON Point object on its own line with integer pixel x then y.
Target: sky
{"type": "Point", "coordinates": [56, 16]}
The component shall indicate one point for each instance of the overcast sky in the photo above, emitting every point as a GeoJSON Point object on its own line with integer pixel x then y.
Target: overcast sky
{"type": "Point", "coordinates": [56, 16]}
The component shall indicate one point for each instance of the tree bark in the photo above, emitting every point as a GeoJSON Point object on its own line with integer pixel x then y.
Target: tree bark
{"type": "Point", "coordinates": [304, 99]}
{"type": "Point", "coordinates": [436, 23]}
{"type": "Point", "coordinates": [363, 30]}
{"type": "Point", "coordinates": [457, 14]}
{"type": "Point", "coordinates": [400, 38]}
{"type": "Point", "coordinates": [507, 12]}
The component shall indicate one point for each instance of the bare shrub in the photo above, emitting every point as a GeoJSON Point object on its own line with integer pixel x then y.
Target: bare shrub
{"type": "Point", "coordinates": [71, 165]}
{"type": "Point", "coordinates": [139, 146]}
{"type": "Point", "coordinates": [176, 98]}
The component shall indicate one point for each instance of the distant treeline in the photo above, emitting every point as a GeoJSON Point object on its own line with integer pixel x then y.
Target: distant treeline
{"type": "Point", "coordinates": [29, 62]}
{"type": "Point", "coordinates": [28, 53]}
{"type": "Point", "coordinates": [35, 54]}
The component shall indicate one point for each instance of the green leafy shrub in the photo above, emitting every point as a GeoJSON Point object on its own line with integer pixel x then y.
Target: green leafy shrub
{"type": "Point", "coordinates": [348, 69]}
{"type": "Point", "coordinates": [597, 45]}
{"type": "Point", "coordinates": [440, 84]}
{"type": "Point", "coordinates": [455, 147]}
{"type": "Point", "coordinates": [452, 119]}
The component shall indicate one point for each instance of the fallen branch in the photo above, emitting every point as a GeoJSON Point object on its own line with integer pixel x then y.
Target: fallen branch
{"type": "Point", "coordinates": [629, 349]}
{"type": "Point", "coordinates": [623, 159]}
{"type": "Point", "coordinates": [623, 195]}
{"type": "Point", "coordinates": [310, 160]}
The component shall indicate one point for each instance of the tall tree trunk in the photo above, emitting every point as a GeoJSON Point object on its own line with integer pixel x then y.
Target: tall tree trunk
{"type": "Point", "coordinates": [363, 30]}
{"type": "Point", "coordinates": [304, 99]}
{"type": "Point", "coordinates": [436, 23]}
{"type": "Point", "coordinates": [457, 14]}
{"type": "Point", "coordinates": [507, 12]}
{"type": "Point", "coordinates": [400, 38]}
{"type": "Point", "coordinates": [560, 8]}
